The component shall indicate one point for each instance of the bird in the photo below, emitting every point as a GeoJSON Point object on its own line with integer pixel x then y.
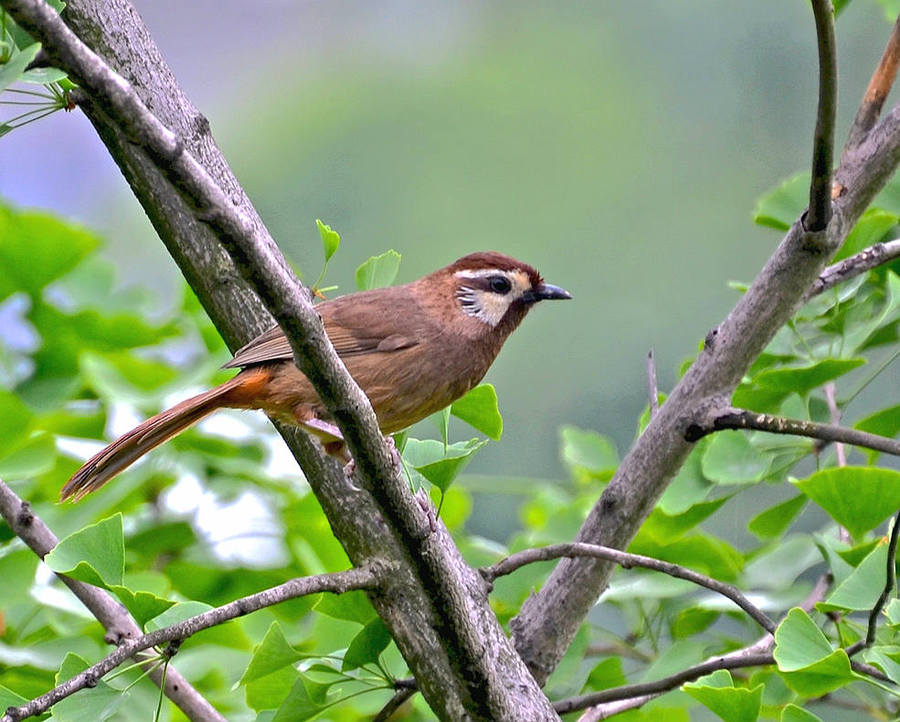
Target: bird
{"type": "Point", "coordinates": [413, 349]}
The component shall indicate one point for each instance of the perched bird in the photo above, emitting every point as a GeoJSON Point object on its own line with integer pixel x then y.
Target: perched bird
{"type": "Point", "coordinates": [413, 349]}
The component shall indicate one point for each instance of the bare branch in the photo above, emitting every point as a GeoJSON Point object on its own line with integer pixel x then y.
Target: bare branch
{"type": "Point", "coordinates": [630, 691]}
{"type": "Point", "coordinates": [819, 213]}
{"type": "Point", "coordinates": [652, 385]}
{"type": "Point", "coordinates": [877, 92]}
{"type": "Point", "coordinates": [337, 583]}
{"type": "Point", "coordinates": [872, 257]}
{"type": "Point", "coordinates": [626, 560]}
{"type": "Point", "coordinates": [741, 419]}
{"type": "Point", "coordinates": [118, 623]}
{"type": "Point", "coordinates": [889, 583]}
{"type": "Point", "coordinates": [394, 703]}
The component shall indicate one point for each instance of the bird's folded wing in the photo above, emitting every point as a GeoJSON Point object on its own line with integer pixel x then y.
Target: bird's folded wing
{"type": "Point", "coordinates": [354, 329]}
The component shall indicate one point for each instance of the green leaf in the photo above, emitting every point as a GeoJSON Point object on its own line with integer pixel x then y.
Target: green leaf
{"type": "Point", "coordinates": [885, 422]}
{"type": "Point", "coordinates": [780, 207]}
{"type": "Point", "coordinates": [442, 472]}
{"type": "Point", "coordinates": [29, 458]}
{"type": "Point", "coordinates": [857, 498]}
{"type": "Point", "coordinates": [793, 713]}
{"type": "Point", "coordinates": [36, 249]}
{"type": "Point", "coordinates": [479, 409]}
{"type": "Point", "coordinates": [8, 698]}
{"type": "Point", "coordinates": [143, 605]}
{"type": "Point", "coordinates": [774, 521]}
{"type": "Point", "coordinates": [270, 655]}
{"type": "Point", "coordinates": [665, 528]}
{"type": "Point", "coordinates": [305, 700]}
{"type": "Point", "coordinates": [587, 451]}
{"type": "Point", "coordinates": [378, 271]}
{"type": "Point", "coordinates": [803, 379]}
{"type": "Point", "coordinates": [606, 674]}
{"type": "Point", "coordinates": [871, 228]}
{"type": "Point", "coordinates": [13, 70]}
{"type": "Point", "coordinates": [730, 458]}
{"type": "Point", "coordinates": [862, 588]}
{"type": "Point", "coordinates": [367, 645]}
{"type": "Point", "coordinates": [350, 606]}
{"type": "Point", "coordinates": [718, 694]}
{"type": "Point", "coordinates": [175, 614]}
{"type": "Point", "coordinates": [14, 419]}
{"type": "Point", "coordinates": [691, 621]}
{"type": "Point", "coordinates": [43, 76]}
{"type": "Point", "coordinates": [330, 239]}
{"type": "Point", "coordinates": [94, 703]}
{"type": "Point", "coordinates": [94, 554]}
{"type": "Point", "coordinates": [804, 657]}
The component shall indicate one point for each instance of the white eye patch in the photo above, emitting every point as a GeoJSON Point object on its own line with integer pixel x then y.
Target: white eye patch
{"type": "Point", "coordinates": [486, 305]}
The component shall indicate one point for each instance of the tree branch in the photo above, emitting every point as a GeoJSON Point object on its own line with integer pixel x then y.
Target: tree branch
{"type": "Point", "coordinates": [437, 611]}
{"type": "Point", "coordinates": [819, 213]}
{"type": "Point", "coordinates": [872, 257]}
{"type": "Point", "coordinates": [394, 703]}
{"type": "Point", "coordinates": [120, 626]}
{"type": "Point", "coordinates": [337, 582]}
{"type": "Point", "coordinates": [626, 560]}
{"type": "Point", "coordinates": [629, 691]}
{"type": "Point", "coordinates": [890, 581]}
{"type": "Point", "coordinates": [741, 419]}
{"type": "Point", "coordinates": [550, 618]}
{"type": "Point", "coordinates": [877, 91]}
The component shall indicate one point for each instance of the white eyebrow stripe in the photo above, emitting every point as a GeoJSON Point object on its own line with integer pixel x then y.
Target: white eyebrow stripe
{"type": "Point", "coordinates": [481, 273]}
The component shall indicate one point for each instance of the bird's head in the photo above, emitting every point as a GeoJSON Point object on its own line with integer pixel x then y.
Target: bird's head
{"type": "Point", "coordinates": [492, 292]}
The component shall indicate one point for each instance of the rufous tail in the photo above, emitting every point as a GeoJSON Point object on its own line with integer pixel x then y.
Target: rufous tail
{"type": "Point", "coordinates": [127, 449]}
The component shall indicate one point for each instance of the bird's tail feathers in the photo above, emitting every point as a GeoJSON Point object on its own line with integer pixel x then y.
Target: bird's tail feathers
{"type": "Point", "coordinates": [127, 449]}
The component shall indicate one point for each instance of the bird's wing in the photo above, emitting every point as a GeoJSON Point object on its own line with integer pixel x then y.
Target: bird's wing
{"type": "Point", "coordinates": [355, 327]}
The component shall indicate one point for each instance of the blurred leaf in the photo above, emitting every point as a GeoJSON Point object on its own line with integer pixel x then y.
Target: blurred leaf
{"type": "Point", "coordinates": [803, 655]}
{"type": "Point", "coordinates": [885, 422]}
{"type": "Point", "coordinates": [366, 646]}
{"type": "Point", "coordinates": [689, 485]}
{"type": "Point", "coordinates": [803, 379]}
{"type": "Point", "coordinates": [266, 693]}
{"type": "Point", "coordinates": [8, 698]}
{"type": "Point", "coordinates": [17, 569]}
{"type": "Point", "coordinates": [378, 271]}
{"type": "Point", "coordinates": [606, 674]}
{"type": "Point", "coordinates": [775, 520]}
{"type": "Point", "coordinates": [330, 239]}
{"type": "Point", "coordinates": [12, 71]}
{"type": "Point", "coordinates": [780, 207]}
{"type": "Point", "coordinates": [665, 527]}
{"type": "Point", "coordinates": [14, 419]}
{"type": "Point", "coordinates": [586, 450]}
{"type": "Point", "coordinates": [37, 249]}
{"type": "Point", "coordinates": [43, 76]}
{"type": "Point", "coordinates": [778, 565]}
{"type": "Point", "coordinates": [352, 607]}
{"type": "Point", "coordinates": [99, 702]}
{"type": "Point", "coordinates": [862, 588]}
{"type": "Point", "coordinates": [870, 229]}
{"type": "Point", "coordinates": [270, 655]}
{"type": "Point", "coordinates": [124, 376]}
{"type": "Point", "coordinates": [305, 700]}
{"type": "Point", "coordinates": [699, 551]}
{"type": "Point", "coordinates": [94, 554]}
{"type": "Point", "coordinates": [717, 693]}
{"type": "Point", "coordinates": [177, 613]}
{"type": "Point", "coordinates": [857, 498]}
{"type": "Point", "coordinates": [30, 458]}
{"type": "Point", "coordinates": [793, 713]}
{"type": "Point", "coordinates": [730, 458]}
{"type": "Point", "coordinates": [691, 621]}
{"type": "Point", "coordinates": [479, 409]}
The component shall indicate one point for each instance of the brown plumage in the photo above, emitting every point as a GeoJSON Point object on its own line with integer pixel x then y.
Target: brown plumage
{"type": "Point", "coordinates": [413, 349]}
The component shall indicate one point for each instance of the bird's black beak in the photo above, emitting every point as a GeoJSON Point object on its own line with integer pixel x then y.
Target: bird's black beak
{"type": "Point", "coordinates": [545, 292]}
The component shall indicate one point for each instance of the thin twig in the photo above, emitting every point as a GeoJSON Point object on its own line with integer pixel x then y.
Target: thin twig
{"type": "Point", "coordinates": [337, 583]}
{"type": "Point", "coordinates": [889, 584]}
{"type": "Point", "coordinates": [830, 390]}
{"type": "Point", "coordinates": [116, 620]}
{"type": "Point", "coordinates": [877, 92]}
{"type": "Point", "coordinates": [819, 213]}
{"type": "Point", "coordinates": [652, 385]}
{"type": "Point", "coordinates": [742, 419]}
{"type": "Point", "coordinates": [626, 560]}
{"type": "Point", "coordinates": [872, 257]}
{"type": "Point", "coordinates": [394, 703]}
{"type": "Point", "coordinates": [665, 684]}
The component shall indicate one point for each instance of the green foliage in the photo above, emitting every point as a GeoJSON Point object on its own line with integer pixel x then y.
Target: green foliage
{"type": "Point", "coordinates": [378, 271]}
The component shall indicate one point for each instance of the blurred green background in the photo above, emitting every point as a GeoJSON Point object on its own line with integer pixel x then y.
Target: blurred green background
{"type": "Point", "coordinates": [617, 146]}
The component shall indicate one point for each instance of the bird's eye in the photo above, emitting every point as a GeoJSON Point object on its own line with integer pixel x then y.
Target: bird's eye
{"type": "Point", "coordinates": [500, 284]}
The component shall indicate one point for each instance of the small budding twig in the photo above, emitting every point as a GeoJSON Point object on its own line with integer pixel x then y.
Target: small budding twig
{"type": "Point", "coordinates": [652, 385]}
